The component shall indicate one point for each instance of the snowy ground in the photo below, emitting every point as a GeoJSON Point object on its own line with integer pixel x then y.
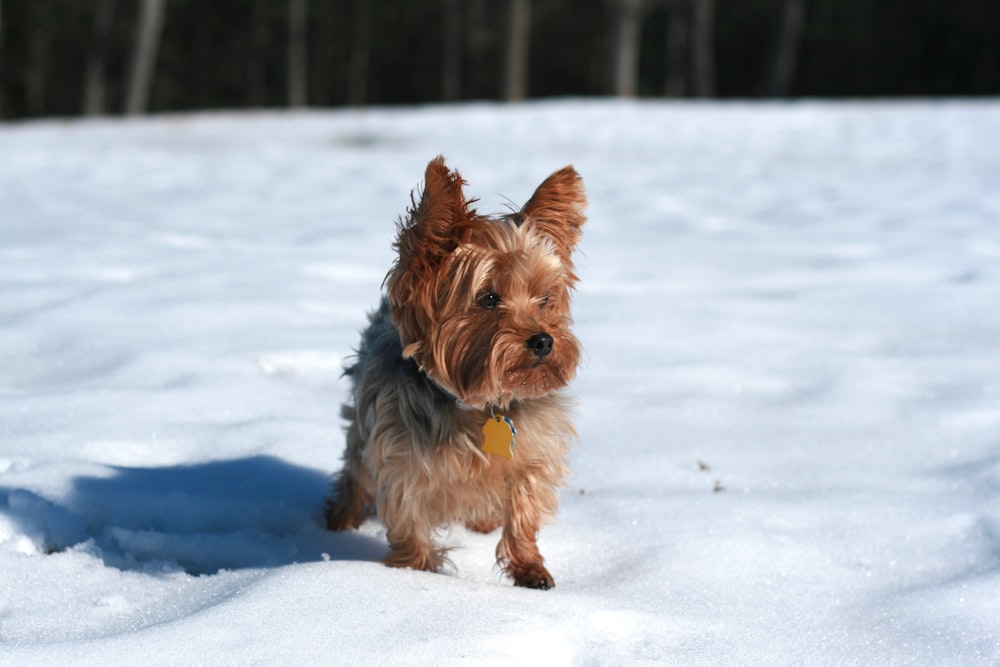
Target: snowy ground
{"type": "Point", "coordinates": [789, 408]}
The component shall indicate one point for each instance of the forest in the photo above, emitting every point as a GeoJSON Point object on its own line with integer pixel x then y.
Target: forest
{"type": "Point", "coordinates": [96, 57]}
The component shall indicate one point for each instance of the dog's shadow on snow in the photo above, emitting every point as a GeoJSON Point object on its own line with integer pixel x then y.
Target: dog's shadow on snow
{"type": "Point", "coordinates": [202, 518]}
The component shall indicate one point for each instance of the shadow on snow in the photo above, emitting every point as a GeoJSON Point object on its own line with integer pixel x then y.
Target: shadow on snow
{"type": "Point", "coordinates": [202, 518]}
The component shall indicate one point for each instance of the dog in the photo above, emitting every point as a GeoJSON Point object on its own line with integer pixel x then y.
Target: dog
{"type": "Point", "coordinates": [456, 413]}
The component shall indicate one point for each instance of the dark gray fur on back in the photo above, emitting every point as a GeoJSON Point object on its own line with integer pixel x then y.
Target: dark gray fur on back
{"type": "Point", "coordinates": [380, 367]}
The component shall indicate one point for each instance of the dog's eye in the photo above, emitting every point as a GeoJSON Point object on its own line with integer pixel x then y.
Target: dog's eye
{"type": "Point", "coordinates": [490, 300]}
{"type": "Point", "coordinates": [545, 300]}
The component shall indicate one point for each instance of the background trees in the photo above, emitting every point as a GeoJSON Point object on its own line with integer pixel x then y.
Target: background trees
{"type": "Point", "coordinates": [145, 43]}
{"type": "Point", "coordinates": [67, 57]}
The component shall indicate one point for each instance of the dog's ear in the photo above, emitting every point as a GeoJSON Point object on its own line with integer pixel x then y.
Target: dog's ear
{"type": "Point", "coordinates": [434, 226]}
{"type": "Point", "coordinates": [556, 210]}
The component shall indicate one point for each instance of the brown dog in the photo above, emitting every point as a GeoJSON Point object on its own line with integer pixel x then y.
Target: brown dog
{"type": "Point", "coordinates": [457, 413]}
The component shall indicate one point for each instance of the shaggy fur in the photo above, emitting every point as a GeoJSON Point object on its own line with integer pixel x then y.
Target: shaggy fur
{"type": "Point", "coordinates": [476, 321]}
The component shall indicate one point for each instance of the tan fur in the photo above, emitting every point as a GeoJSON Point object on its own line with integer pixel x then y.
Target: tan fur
{"type": "Point", "coordinates": [470, 299]}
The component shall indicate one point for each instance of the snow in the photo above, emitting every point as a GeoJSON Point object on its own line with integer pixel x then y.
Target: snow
{"type": "Point", "coordinates": [789, 410]}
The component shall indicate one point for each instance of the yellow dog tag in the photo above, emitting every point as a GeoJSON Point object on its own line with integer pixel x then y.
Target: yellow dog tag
{"type": "Point", "coordinates": [498, 436]}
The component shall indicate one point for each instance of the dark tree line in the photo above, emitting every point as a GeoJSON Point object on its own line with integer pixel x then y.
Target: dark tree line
{"type": "Point", "coordinates": [68, 57]}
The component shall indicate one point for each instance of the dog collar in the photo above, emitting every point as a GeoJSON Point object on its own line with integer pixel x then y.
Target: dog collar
{"type": "Point", "coordinates": [499, 433]}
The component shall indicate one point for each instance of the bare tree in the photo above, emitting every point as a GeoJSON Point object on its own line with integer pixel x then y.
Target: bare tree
{"type": "Point", "coordinates": [480, 42]}
{"type": "Point", "coordinates": [518, 42]}
{"type": "Point", "coordinates": [361, 48]}
{"type": "Point", "coordinates": [451, 70]}
{"type": "Point", "coordinates": [703, 47]}
{"type": "Point", "coordinates": [146, 43]}
{"type": "Point", "coordinates": [786, 52]}
{"type": "Point", "coordinates": [628, 33]}
{"type": "Point", "coordinates": [37, 57]}
{"type": "Point", "coordinates": [95, 84]}
{"type": "Point", "coordinates": [297, 23]}
{"type": "Point", "coordinates": [260, 37]}
{"type": "Point", "coordinates": [678, 23]}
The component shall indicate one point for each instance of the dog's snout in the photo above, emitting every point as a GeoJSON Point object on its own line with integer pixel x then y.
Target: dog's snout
{"type": "Point", "coordinates": [540, 344]}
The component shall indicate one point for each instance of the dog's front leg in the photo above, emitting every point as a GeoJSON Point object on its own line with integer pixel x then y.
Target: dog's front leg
{"type": "Point", "coordinates": [408, 530]}
{"type": "Point", "coordinates": [529, 502]}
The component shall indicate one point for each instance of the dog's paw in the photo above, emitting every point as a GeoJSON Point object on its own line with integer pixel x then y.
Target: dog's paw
{"type": "Point", "coordinates": [533, 576]}
{"type": "Point", "coordinates": [415, 557]}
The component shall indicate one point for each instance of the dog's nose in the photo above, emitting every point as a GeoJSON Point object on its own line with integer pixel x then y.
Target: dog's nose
{"type": "Point", "coordinates": [540, 344]}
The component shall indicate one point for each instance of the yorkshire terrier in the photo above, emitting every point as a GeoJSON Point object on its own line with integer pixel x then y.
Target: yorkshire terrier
{"type": "Point", "coordinates": [457, 413]}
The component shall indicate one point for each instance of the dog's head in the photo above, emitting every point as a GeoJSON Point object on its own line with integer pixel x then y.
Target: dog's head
{"type": "Point", "coordinates": [483, 304]}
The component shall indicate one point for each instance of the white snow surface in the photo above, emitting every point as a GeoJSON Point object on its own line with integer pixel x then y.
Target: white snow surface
{"type": "Point", "coordinates": [789, 408]}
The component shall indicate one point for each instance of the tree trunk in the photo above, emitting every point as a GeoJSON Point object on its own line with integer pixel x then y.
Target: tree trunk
{"type": "Point", "coordinates": [628, 33]}
{"type": "Point", "coordinates": [451, 73]}
{"type": "Point", "coordinates": [703, 48]}
{"type": "Point", "coordinates": [678, 23]}
{"type": "Point", "coordinates": [786, 51]}
{"type": "Point", "coordinates": [95, 84]}
{"type": "Point", "coordinates": [480, 33]}
{"type": "Point", "coordinates": [518, 41]}
{"type": "Point", "coordinates": [297, 18]}
{"type": "Point", "coordinates": [146, 43]}
{"type": "Point", "coordinates": [260, 37]}
{"type": "Point", "coordinates": [36, 61]}
{"type": "Point", "coordinates": [357, 93]}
